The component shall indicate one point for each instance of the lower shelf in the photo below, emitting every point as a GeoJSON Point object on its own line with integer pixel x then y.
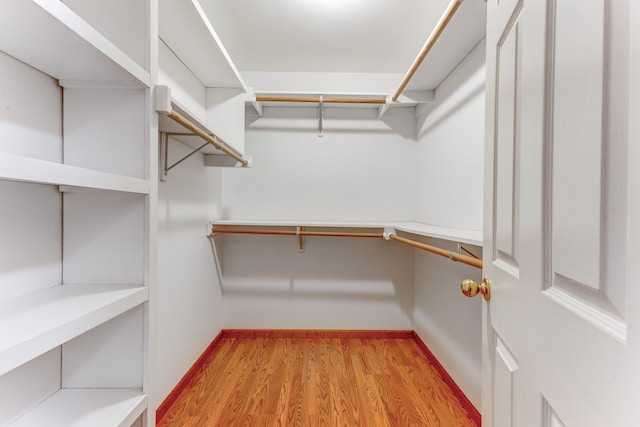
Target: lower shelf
{"type": "Point", "coordinates": [87, 407]}
{"type": "Point", "coordinates": [34, 323]}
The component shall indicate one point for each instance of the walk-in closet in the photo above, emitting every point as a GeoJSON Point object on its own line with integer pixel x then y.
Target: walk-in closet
{"type": "Point", "coordinates": [180, 177]}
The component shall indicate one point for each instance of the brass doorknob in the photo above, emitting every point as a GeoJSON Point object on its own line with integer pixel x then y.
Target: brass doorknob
{"type": "Point", "coordinates": [471, 288]}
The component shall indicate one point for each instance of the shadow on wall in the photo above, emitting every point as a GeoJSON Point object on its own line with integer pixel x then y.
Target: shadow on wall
{"type": "Point", "coordinates": [362, 121]}
{"type": "Point", "coordinates": [436, 120]}
{"type": "Point", "coordinates": [30, 255]}
{"type": "Point", "coordinates": [331, 270]}
{"type": "Point", "coordinates": [460, 88]}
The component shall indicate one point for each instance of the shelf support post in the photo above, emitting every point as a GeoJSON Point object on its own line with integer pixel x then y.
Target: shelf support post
{"type": "Point", "coordinates": [300, 239]}
{"type": "Point", "coordinates": [320, 116]}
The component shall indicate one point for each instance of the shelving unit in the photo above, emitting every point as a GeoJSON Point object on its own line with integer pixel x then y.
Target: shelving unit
{"type": "Point", "coordinates": [50, 37]}
{"type": "Point", "coordinates": [201, 50]}
{"type": "Point", "coordinates": [386, 230]}
{"type": "Point", "coordinates": [205, 85]}
{"type": "Point", "coordinates": [172, 129]}
{"type": "Point", "coordinates": [75, 179]}
{"type": "Point", "coordinates": [472, 237]}
{"type": "Point", "coordinates": [183, 135]}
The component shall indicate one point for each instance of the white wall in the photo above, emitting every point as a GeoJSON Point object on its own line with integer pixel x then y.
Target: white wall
{"type": "Point", "coordinates": [449, 185]}
{"type": "Point", "coordinates": [30, 112]}
{"type": "Point", "coordinates": [446, 321]}
{"type": "Point", "coordinates": [450, 148]}
{"type": "Point", "coordinates": [188, 299]}
{"type": "Point", "coordinates": [361, 169]}
{"type": "Point", "coordinates": [336, 283]}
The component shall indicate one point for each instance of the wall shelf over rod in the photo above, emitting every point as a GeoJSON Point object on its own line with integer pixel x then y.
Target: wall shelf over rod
{"type": "Point", "coordinates": [388, 234]}
{"type": "Point", "coordinates": [301, 232]}
{"type": "Point", "coordinates": [166, 108]}
{"type": "Point", "coordinates": [431, 41]}
{"type": "Point", "coordinates": [211, 139]}
{"type": "Point", "coordinates": [453, 256]}
{"type": "Point", "coordinates": [317, 100]}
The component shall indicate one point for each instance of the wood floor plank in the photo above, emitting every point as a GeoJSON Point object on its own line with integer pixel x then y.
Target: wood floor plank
{"type": "Point", "coordinates": [315, 380]}
{"type": "Point", "coordinates": [369, 399]}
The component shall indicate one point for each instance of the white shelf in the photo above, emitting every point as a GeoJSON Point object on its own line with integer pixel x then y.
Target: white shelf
{"type": "Point", "coordinates": [87, 407]}
{"type": "Point", "coordinates": [165, 124]}
{"type": "Point", "coordinates": [50, 37]}
{"type": "Point", "coordinates": [301, 223]}
{"type": "Point", "coordinates": [34, 323]}
{"type": "Point", "coordinates": [19, 168]}
{"type": "Point", "coordinates": [472, 237]}
{"type": "Point", "coordinates": [200, 48]}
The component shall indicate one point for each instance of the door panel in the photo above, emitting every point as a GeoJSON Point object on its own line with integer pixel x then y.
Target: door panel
{"type": "Point", "coordinates": [504, 377]}
{"type": "Point", "coordinates": [582, 279]}
{"type": "Point", "coordinates": [502, 220]}
{"type": "Point", "coordinates": [507, 152]}
{"type": "Point", "coordinates": [561, 333]}
{"type": "Point", "coordinates": [576, 81]}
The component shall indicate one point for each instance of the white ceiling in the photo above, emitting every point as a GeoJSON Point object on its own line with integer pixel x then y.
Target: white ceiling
{"type": "Point", "coordinates": [344, 36]}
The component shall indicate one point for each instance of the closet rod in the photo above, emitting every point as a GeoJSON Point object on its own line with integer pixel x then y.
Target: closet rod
{"type": "Point", "coordinates": [439, 251]}
{"type": "Point", "coordinates": [317, 100]}
{"type": "Point", "coordinates": [202, 134]}
{"type": "Point", "coordinates": [295, 233]}
{"type": "Point", "coordinates": [475, 262]}
{"type": "Point", "coordinates": [435, 34]}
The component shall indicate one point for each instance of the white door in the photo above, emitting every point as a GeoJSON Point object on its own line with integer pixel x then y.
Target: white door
{"type": "Point", "coordinates": [561, 333]}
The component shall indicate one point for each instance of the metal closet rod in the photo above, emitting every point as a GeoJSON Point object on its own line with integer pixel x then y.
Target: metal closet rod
{"type": "Point", "coordinates": [454, 256]}
{"type": "Point", "coordinates": [317, 100]}
{"type": "Point", "coordinates": [202, 134]}
{"type": "Point", "coordinates": [433, 37]}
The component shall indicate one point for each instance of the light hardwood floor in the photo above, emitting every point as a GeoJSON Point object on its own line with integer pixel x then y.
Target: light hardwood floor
{"type": "Point", "coordinates": [317, 381]}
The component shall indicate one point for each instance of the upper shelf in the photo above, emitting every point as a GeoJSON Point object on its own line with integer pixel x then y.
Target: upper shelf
{"type": "Point", "coordinates": [465, 30]}
{"type": "Point", "coordinates": [50, 37]}
{"type": "Point", "coordinates": [472, 237]}
{"type": "Point", "coordinates": [199, 48]}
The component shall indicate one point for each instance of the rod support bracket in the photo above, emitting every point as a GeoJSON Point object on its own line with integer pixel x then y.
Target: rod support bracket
{"type": "Point", "coordinates": [300, 239]}
{"type": "Point", "coordinates": [321, 117]}
{"type": "Point", "coordinates": [162, 99]}
{"type": "Point", "coordinates": [209, 230]}
{"type": "Point", "coordinates": [388, 231]}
